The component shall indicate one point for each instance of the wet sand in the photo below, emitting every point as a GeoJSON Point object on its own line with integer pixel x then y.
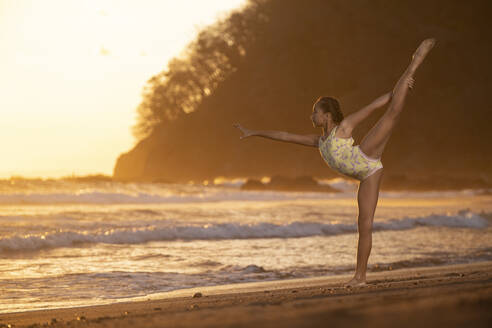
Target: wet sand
{"type": "Point", "coordinates": [451, 296]}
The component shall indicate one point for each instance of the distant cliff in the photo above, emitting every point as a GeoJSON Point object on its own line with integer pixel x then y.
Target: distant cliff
{"type": "Point", "coordinates": [266, 65]}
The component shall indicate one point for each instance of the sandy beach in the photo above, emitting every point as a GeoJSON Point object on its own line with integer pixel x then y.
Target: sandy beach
{"type": "Point", "coordinates": [455, 296]}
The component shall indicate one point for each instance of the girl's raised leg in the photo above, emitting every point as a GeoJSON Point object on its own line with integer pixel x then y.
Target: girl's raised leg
{"type": "Point", "coordinates": [374, 142]}
{"type": "Point", "coordinates": [367, 199]}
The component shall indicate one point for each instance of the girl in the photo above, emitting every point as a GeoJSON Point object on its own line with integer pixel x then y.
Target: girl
{"type": "Point", "coordinates": [363, 161]}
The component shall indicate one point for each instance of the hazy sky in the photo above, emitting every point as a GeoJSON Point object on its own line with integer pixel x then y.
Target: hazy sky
{"type": "Point", "coordinates": [71, 75]}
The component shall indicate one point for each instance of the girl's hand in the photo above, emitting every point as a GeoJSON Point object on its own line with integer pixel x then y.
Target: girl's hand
{"type": "Point", "coordinates": [246, 132]}
{"type": "Point", "coordinates": [410, 82]}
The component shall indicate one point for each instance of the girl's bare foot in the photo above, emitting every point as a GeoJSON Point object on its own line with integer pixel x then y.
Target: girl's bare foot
{"type": "Point", "coordinates": [422, 51]}
{"type": "Point", "coordinates": [355, 282]}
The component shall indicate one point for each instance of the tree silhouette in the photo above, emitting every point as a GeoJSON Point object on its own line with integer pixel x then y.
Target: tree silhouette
{"type": "Point", "coordinates": [207, 61]}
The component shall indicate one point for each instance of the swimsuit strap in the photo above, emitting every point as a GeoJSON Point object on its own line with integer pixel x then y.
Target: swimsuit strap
{"type": "Point", "coordinates": [330, 136]}
{"type": "Point", "coordinates": [332, 133]}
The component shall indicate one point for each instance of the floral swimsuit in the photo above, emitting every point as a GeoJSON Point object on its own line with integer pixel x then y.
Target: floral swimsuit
{"type": "Point", "coordinates": [343, 157]}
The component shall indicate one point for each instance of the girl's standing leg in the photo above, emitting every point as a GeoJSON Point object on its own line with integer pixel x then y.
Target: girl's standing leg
{"type": "Point", "coordinates": [367, 199]}
{"type": "Point", "coordinates": [373, 145]}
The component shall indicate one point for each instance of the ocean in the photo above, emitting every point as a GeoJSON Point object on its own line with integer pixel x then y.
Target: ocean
{"type": "Point", "coordinates": [66, 243]}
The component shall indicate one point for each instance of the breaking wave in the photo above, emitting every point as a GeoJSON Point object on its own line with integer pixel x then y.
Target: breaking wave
{"type": "Point", "coordinates": [218, 231]}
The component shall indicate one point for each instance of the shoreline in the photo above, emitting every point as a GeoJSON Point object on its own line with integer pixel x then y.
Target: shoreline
{"type": "Point", "coordinates": [284, 183]}
{"type": "Point", "coordinates": [423, 291]}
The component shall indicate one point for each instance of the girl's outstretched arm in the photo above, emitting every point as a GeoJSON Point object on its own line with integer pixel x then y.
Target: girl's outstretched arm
{"type": "Point", "coordinates": [305, 140]}
{"type": "Point", "coordinates": [352, 120]}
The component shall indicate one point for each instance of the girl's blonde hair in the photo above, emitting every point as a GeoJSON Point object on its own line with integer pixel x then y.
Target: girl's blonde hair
{"type": "Point", "coordinates": [330, 105]}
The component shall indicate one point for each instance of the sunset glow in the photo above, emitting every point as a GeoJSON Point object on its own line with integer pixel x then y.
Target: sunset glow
{"type": "Point", "coordinates": [73, 72]}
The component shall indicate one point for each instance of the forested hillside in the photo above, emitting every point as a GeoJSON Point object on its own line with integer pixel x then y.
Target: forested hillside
{"type": "Point", "coordinates": [265, 65]}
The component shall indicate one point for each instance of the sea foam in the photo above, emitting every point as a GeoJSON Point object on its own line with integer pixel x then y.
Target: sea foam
{"type": "Point", "coordinates": [218, 231]}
